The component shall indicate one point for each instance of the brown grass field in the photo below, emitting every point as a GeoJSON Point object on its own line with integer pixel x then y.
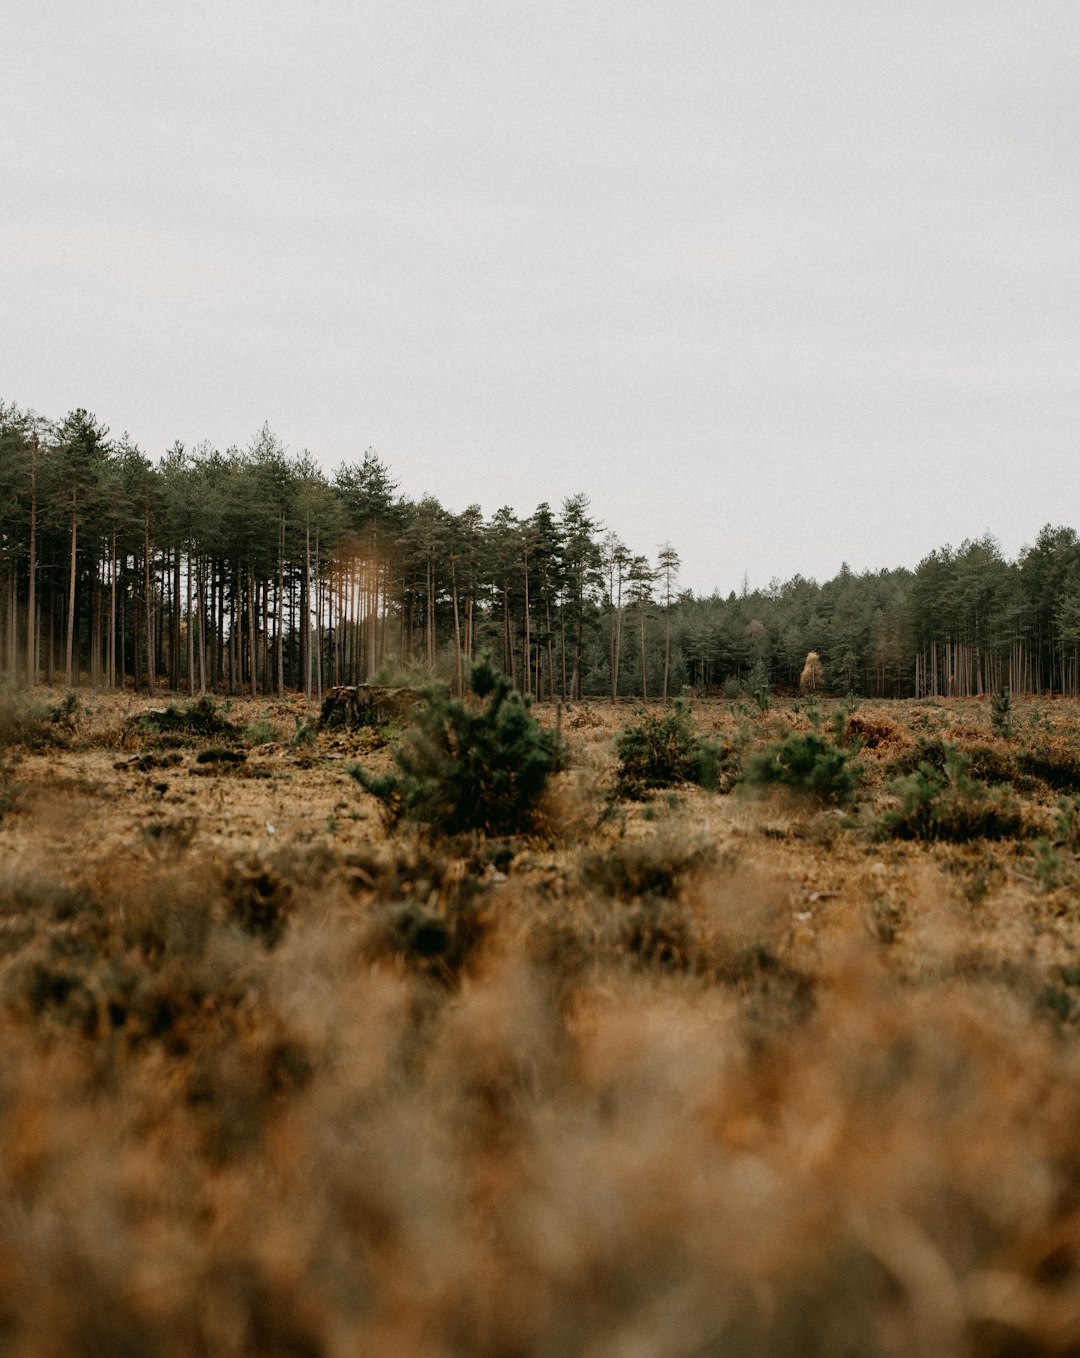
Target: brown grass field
{"type": "Point", "coordinates": [704, 1075]}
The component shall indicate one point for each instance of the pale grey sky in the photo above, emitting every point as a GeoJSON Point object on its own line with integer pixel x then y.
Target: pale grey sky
{"type": "Point", "coordinates": [786, 283]}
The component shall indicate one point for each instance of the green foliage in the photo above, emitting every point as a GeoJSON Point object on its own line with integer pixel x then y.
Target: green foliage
{"type": "Point", "coordinates": [1048, 864]}
{"type": "Point", "coordinates": [948, 803]}
{"type": "Point", "coordinates": [663, 750]}
{"type": "Point", "coordinates": [393, 673]}
{"type": "Point", "coordinates": [305, 733]}
{"type": "Point", "coordinates": [1000, 713]}
{"type": "Point", "coordinates": [261, 732]}
{"type": "Point", "coordinates": [806, 762]}
{"type": "Point", "coordinates": [474, 765]}
{"type": "Point", "coordinates": [983, 758]}
{"type": "Point", "coordinates": [840, 722]}
{"type": "Point", "coordinates": [1067, 822]}
{"type": "Point", "coordinates": [10, 790]}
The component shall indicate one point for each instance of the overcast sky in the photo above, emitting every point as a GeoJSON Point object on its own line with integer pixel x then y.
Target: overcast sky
{"type": "Point", "coordinates": [785, 283]}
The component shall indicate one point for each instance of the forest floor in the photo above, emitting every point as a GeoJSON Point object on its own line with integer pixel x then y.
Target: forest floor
{"type": "Point", "coordinates": [739, 1073]}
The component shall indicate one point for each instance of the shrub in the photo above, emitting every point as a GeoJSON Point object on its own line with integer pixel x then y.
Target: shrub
{"type": "Point", "coordinates": [34, 725]}
{"type": "Point", "coordinates": [948, 803]}
{"type": "Point", "coordinates": [261, 732]}
{"type": "Point", "coordinates": [807, 762]}
{"type": "Point", "coordinates": [305, 734]}
{"type": "Point", "coordinates": [10, 790]}
{"type": "Point", "coordinates": [468, 765]}
{"type": "Point", "coordinates": [985, 759]}
{"type": "Point", "coordinates": [1067, 822]}
{"type": "Point", "coordinates": [1000, 713]}
{"type": "Point", "coordinates": [868, 733]}
{"type": "Point", "coordinates": [1054, 762]}
{"type": "Point", "coordinates": [653, 868]}
{"type": "Point", "coordinates": [200, 718]}
{"type": "Point", "coordinates": [663, 750]}
{"type": "Point", "coordinates": [436, 937]}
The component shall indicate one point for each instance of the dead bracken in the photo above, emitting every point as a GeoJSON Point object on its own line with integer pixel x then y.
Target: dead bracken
{"type": "Point", "coordinates": [767, 1069]}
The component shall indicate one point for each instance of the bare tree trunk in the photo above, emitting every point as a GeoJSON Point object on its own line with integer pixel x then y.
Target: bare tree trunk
{"type": "Point", "coordinates": [190, 630]}
{"type": "Point", "coordinates": [280, 602]}
{"type": "Point", "coordinates": [95, 626]}
{"type": "Point", "coordinates": [151, 676]}
{"type": "Point", "coordinates": [305, 608]}
{"type": "Point", "coordinates": [12, 624]}
{"type": "Point", "coordinates": [644, 672]}
{"type": "Point", "coordinates": [112, 611]}
{"type": "Point", "coordinates": [318, 621]}
{"type": "Point", "coordinates": [71, 593]}
{"type": "Point", "coordinates": [31, 596]}
{"type": "Point", "coordinates": [253, 662]}
{"type": "Point", "coordinates": [174, 630]}
{"type": "Point", "coordinates": [527, 653]}
{"type": "Point", "coordinates": [459, 677]}
{"type": "Point", "coordinates": [200, 590]}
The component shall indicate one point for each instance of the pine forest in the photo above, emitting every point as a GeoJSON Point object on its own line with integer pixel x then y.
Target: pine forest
{"type": "Point", "coordinates": [252, 571]}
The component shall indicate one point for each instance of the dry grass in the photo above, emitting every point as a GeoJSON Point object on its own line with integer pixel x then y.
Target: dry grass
{"type": "Point", "coordinates": [708, 1075]}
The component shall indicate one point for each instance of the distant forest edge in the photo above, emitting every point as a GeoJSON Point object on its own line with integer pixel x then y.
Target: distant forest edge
{"type": "Point", "coordinates": [253, 571]}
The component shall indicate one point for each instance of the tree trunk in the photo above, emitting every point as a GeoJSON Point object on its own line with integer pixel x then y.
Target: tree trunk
{"type": "Point", "coordinates": [31, 596]}
{"type": "Point", "coordinates": [111, 677]}
{"type": "Point", "coordinates": [151, 676]}
{"type": "Point", "coordinates": [190, 630]}
{"type": "Point", "coordinates": [71, 592]}
{"type": "Point", "coordinates": [459, 677]}
{"type": "Point", "coordinates": [644, 672]}
{"type": "Point", "coordinates": [305, 610]}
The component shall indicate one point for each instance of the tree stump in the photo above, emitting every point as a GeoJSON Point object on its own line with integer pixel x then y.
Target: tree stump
{"type": "Point", "coordinates": [367, 705]}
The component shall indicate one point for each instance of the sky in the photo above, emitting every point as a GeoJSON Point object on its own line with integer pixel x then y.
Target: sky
{"type": "Point", "coordinates": [784, 284]}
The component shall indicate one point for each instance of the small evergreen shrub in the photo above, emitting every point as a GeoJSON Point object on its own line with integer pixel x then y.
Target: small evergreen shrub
{"type": "Point", "coordinates": [475, 765]}
{"type": "Point", "coordinates": [948, 803]}
{"type": "Point", "coordinates": [1048, 864]}
{"type": "Point", "coordinates": [261, 732]}
{"type": "Point", "coordinates": [660, 751]}
{"type": "Point", "coordinates": [10, 790]}
{"type": "Point", "coordinates": [1000, 713]}
{"type": "Point", "coordinates": [1067, 822]}
{"type": "Point", "coordinates": [806, 762]}
{"type": "Point", "coordinates": [305, 734]}
{"type": "Point", "coordinates": [393, 673]}
{"type": "Point", "coordinates": [985, 759]}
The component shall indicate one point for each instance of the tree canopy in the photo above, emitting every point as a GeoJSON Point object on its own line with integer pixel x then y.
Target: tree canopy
{"type": "Point", "coordinates": [251, 569]}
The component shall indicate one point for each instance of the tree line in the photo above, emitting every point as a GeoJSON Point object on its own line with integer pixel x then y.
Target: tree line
{"type": "Point", "coordinates": [254, 571]}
